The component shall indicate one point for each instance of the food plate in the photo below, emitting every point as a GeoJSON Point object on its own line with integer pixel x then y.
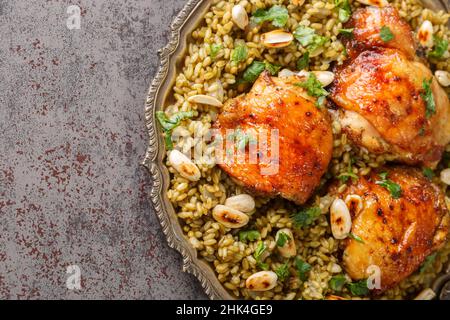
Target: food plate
{"type": "Point", "coordinates": [161, 95]}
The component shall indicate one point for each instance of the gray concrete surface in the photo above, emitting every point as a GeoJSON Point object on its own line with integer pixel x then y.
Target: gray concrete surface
{"type": "Point", "coordinates": [72, 191]}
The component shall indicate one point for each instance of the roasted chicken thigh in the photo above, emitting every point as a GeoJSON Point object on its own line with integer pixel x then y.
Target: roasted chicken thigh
{"type": "Point", "coordinates": [304, 133]}
{"type": "Point", "coordinates": [397, 230]}
{"type": "Point", "coordinates": [389, 100]}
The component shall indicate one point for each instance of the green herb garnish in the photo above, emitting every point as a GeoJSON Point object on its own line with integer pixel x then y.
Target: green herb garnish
{"type": "Point", "coordinates": [347, 32]}
{"type": "Point", "coordinates": [313, 86]}
{"type": "Point", "coordinates": [306, 216]}
{"type": "Point", "coordinates": [440, 47]}
{"type": "Point", "coordinates": [282, 239]}
{"type": "Point", "coordinates": [355, 237]}
{"type": "Point", "coordinates": [303, 62]}
{"type": "Point", "coordinates": [428, 173]}
{"type": "Point", "coordinates": [428, 262]}
{"type": "Point", "coordinates": [347, 175]}
{"type": "Point", "coordinates": [427, 96]}
{"type": "Point", "coordinates": [358, 288]}
{"type": "Point", "coordinates": [344, 10]}
{"type": "Point", "coordinates": [240, 53]}
{"type": "Point", "coordinates": [337, 283]}
{"type": "Point", "coordinates": [215, 49]}
{"type": "Point", "coordinates": [278, 15]}
{"type": "Point", "coordinates": [308, 38]}
{"type": "Point", "coordinates": [386, 34]}
{"type": "Point", "coordinates": [168, 124]}
{"type": "Point", "coordinates": [249, 235]}
{"type": "Point", "coordinates": [272, 68]}
{"type": "Point", "coordinates": [260, 249]}
{"type": "Point", "coordinates": [391, 186]}
{"type": "Point", "coordinates": [253, 71]}
{"type": "Point", "coordinates": [302, 268]}
{"type": "Point", "coordinates": [283, 272]}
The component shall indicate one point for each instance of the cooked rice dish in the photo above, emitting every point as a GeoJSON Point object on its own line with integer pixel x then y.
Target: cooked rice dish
{"type": "Point", "coordinates": [365, 184]}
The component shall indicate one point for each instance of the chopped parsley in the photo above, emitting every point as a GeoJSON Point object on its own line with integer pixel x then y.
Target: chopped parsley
{"type": "Point", "coordinates": [428, 173]}
{"type": "Point", "coordinates": [168, 124]}
{"type": "Point", "coordinates": [249, 235]}
{"type": "Point", "coordinates": [240, 53]}
{"type": "Point", "coordinates": [302, 268]}
{"type": "Point", "coordinates": [358, 288]}
{"type": "Point", "coordinates": [337, 283]}
{"type": "Point", "coordinates": [355, 237]}
{"type": "Point", "coordinates": [272, 68]}
{"type": "Point", "coordinates": [440, 47]}
{"type": "Point", "coordinates": [283, 272]}
{"type": "Point", "coordinates": [215, 49]}
{"type": "Point", "coordinates": [427, 263]}
{"type": "Point", "coordinates": [427, 96]}
{"type": "Point", "coordinates": [260, 249]}
{"type": "Point", "coordinates": [306, 216]}
{"type": "Point", "coordinates": [314, 89]}
{"type": "Point", "coordinates": [278, 15]}
{"type": "Point", "coordinates": [391, 186]}
{"type": "Point", "coordinates": [309, 39]}
{"type": "Point", "coordinates": [282, 239]}
{"type": "Point", "coordinates": [303, 62]}
{"type": "Point", "coordinates": [347, 32]}
{"type": "Point", "coordinates": [313, 86]}
{"type": "Point", "coordinates": [344, 10]}
{"type": "Point", "coordinates": [386, 34]}
{"type": "Point", "coordinates": [253, 71]}
{"type": "Point", "coordinates": [349, 174]}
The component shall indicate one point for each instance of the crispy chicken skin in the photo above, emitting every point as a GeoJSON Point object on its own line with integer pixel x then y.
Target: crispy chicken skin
{"type": "Point", "coordinates": [367, 24]}
{"type": "Point", "coordinates": [398, 234]}
{"type": "Point", "coordinates": [380, 92]}
{"type": "Point", "coordinates": [305, 137]}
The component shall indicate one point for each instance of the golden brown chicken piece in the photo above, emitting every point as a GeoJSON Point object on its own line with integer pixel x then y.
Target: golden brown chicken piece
{"type": "Point", "coordinates": [383, 94]}
{"type": "Point", "coordinates": [305, 138]}
{"type": "Point", "coordinates": [367, 24]}
{"type": "Point", "coordinates": [397, 234]}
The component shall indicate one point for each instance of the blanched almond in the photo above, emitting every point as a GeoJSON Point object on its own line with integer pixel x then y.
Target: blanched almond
{"type": "Point", "coordinates": [239, 16]}
{"type": "Point", "coordinates": [426, 294]}
{"type": "Point", "coordinates": [425, 34]}
{"type": "Point", "coordinates": [285, 73]}
{"type": "Point", "coordinates": [445, 176]}
{"type": "Point", "coordinates": [276, 39]}
{"type": "Point", "coordinates": [261, 281]}
{"type": "Point", "coordinates": [340, 219]}
{"type": "Point", "coordinates": [324, 77]}
{"type": "Point", "coordinates": [241, 202]}
{"type": "Point", "coordinates": [376, 3]}
{"type": "Point", "coordinates": [205, 99]}
{"type": "Point", "coordinates": [354, 204]}
{"type": "Point", "coordinates": [184, 166]}
{"type": "Point", "coordinates": [443, 77]}
{"type": "Point", "coordinates": [229, 217]}
{"type": "Point", "coordinates": [289, 249]}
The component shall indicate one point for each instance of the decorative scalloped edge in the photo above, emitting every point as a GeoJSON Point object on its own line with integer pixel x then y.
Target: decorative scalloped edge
{"type": "Point", "coordinates": [190, 262]}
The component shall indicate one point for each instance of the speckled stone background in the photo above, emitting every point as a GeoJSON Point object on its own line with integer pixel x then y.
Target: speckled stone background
{"type": "Point", "coordinates": [72, 138]}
